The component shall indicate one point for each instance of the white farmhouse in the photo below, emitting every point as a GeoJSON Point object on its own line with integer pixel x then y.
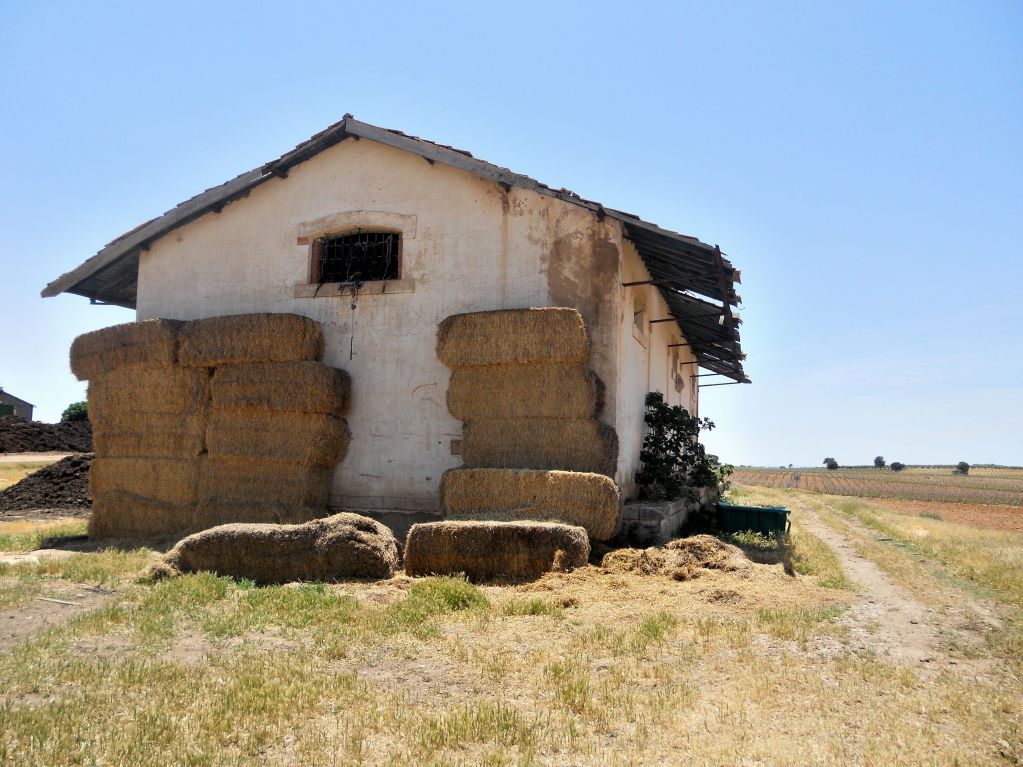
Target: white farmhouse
{"type": "Point", "coordinates": [379, 236]}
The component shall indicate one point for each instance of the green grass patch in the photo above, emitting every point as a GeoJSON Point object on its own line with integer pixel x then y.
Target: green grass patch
{"type": "Point", "coordinates": [33, 538]}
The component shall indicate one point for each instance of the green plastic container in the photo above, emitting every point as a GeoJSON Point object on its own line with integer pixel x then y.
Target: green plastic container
{"type": "Point", "coordinates": [758, 519]}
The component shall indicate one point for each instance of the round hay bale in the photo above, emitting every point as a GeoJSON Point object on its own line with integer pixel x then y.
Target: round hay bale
{"type": "Point", "coordinates": [150, 342]}
{"type": "Point", "coordinates": [488, 550]}
{"type": "Point", "coordinates": [246, 338]}
{"type": "Point", "coordinates": [545, 390]}
{"type": "Point", "coordinates": [513, 336]}
{"type": "Point", "coordinates": [300, 387]}
{"type": "Point", "coordinates": [567, 444]}
{"type": "Point", "coordinates": [591, 501]}
{"type": "Point", "coordinates": [329, 549]}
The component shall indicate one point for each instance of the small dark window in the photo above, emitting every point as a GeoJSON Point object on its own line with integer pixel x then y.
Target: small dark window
{"type": "Point", "coordinates": [358, 257]}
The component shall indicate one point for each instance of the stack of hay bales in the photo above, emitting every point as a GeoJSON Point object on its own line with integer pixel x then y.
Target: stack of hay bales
{"type": "Point", "coordinates": [521, 385]}
{"type": "Point", "coordinates": [538, 461]}
{"type": "Point", "coordinates": [226, 419]}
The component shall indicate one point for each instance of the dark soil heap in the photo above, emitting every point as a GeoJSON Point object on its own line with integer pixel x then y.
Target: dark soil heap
{"type": "Point", "coordinates": [61, 485]}
{"type": "Point", "coordinates": [20, 436]}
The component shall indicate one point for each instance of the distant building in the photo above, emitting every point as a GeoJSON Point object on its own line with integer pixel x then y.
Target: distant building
{"type": "Point", "coordinates": [11, 405]}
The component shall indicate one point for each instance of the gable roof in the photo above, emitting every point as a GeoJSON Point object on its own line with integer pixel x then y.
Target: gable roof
{"type": "Point", "coordinates": [8, 395]}
{"type": "Point", "coordinates": [682, 267]}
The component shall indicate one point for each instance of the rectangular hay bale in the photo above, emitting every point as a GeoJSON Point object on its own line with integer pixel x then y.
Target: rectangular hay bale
{"type": "Point", "coordinates": [150, 342]}
{"type": "Point", "coordinates": [488, 550]}
{"type": "Point", "coordinates": [591, 501]}
{"type": "Point", "coordinates": [161, 435]}
{"type": "Point", "coordinates": [123, 515]}
{"type": "Point", "coordinates": [146, 390]}
{"type": "Point", "coordinates": [209, 514]}
{"type": "Point", "coordinates": [513, 336]}
{"type": "Point", "coordinates": [167, 480]}
{"type": "Point", "coordinates": [543, 390]}
{"type": "Point", "coordinates": [301, 387]}
{"type": "Point", "coordinates": [256, 481]}
{"type": "Point", "coordinates": [566, 444]}
{"type": "Point", "coordinates": [305, 439]}
{"type": "Point", "coordinates": [244, 338]}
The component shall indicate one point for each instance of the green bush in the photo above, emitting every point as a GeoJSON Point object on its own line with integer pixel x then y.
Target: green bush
{"type": "Point", "coordinates": [672, 456]}
{"type": "Point", "coordinates": [76, 411]}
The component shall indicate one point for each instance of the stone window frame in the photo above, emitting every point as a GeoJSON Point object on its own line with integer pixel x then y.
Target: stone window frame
{"type": "Point", "coordinates": [336, 224]}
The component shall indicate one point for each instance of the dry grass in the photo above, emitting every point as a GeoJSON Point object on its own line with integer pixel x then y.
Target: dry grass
{"type": "Point", "coordinates": [487, 550]}
{"type": "Point", "coordinates": [566, 444]}
{"type": "Point", "coordinates": [513, 336]}
{"type": "Point", "coordinates": [585, 668]}
{"type": "Point", "coordinates": [12, 472]}
{"type": "Point", "coordinates": [29, 535]}
{"type": "Point", "coordinates": [147, 390]}
{"type": "Point", "coordinates": [330, 549]}
{"type": "Point", "coordinates": [591, 501]}
{"type": "Point", "coordinates": [525, 391]}
{"type": "Point", "coordinates": [151, 342]}
{"type": "Point", "coordinates": [301, 387]}
{"type": "Point", "coordinates": [246, 338]}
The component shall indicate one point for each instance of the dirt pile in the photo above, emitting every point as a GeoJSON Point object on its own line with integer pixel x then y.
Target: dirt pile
{"type": "Point", "coordinates": [61, 485]}
{"type": "Point", "coordinates": [681, 559]}
{"type": "Point", "coordinates": [20, 436]}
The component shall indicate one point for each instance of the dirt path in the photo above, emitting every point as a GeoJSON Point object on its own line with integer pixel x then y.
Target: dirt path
{"type": "Point", "coordinates": [889, 621]}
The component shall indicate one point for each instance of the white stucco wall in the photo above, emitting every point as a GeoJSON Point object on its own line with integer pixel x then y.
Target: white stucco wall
{"type": "Point", "coordinates": [646, 364]}
{"type": "Point", "coordinates": [468, 245]}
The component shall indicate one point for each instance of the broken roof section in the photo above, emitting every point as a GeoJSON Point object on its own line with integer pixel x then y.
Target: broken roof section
{"type": "Point", "coordinates": [682, 267]}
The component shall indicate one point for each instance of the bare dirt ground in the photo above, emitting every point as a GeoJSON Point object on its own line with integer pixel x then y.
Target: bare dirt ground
{"type": "Point", "coordinates": [890, 622]}
{"type": "Point", "coordinates": [54, 605]}
{"type": "Point", "coordinates": [975, 514]}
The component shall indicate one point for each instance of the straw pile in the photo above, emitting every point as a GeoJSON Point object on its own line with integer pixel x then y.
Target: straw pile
{"type": "Point", "coordinates": [330, 549]}
{"type": "Point", "coordinates": [513, 336]}
{"type": "Point", "coordinates": [571, 444]}
{"type": "Point", "coordinates": [681, 559]}
{"type": "Point", "coordinates": [489, 550]}
{"type": "Point", "coordinates": [546, 390]}
{"type": "Point", "coordinates": [242, 338]}
{"type": "Point", "coordinates": [217, 420]}
{"type": "Point", "coordinates": [152, 342]}
{"type": "Point", "coordinates": [588, 500]}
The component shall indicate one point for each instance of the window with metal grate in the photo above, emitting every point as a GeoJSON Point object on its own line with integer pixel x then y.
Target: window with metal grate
{"type": "Point", "coordinates": [361, 256]}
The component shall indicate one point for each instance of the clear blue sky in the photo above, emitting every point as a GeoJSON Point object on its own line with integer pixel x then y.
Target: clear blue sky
{"type": "Point", "coordinates": [862, 163]}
